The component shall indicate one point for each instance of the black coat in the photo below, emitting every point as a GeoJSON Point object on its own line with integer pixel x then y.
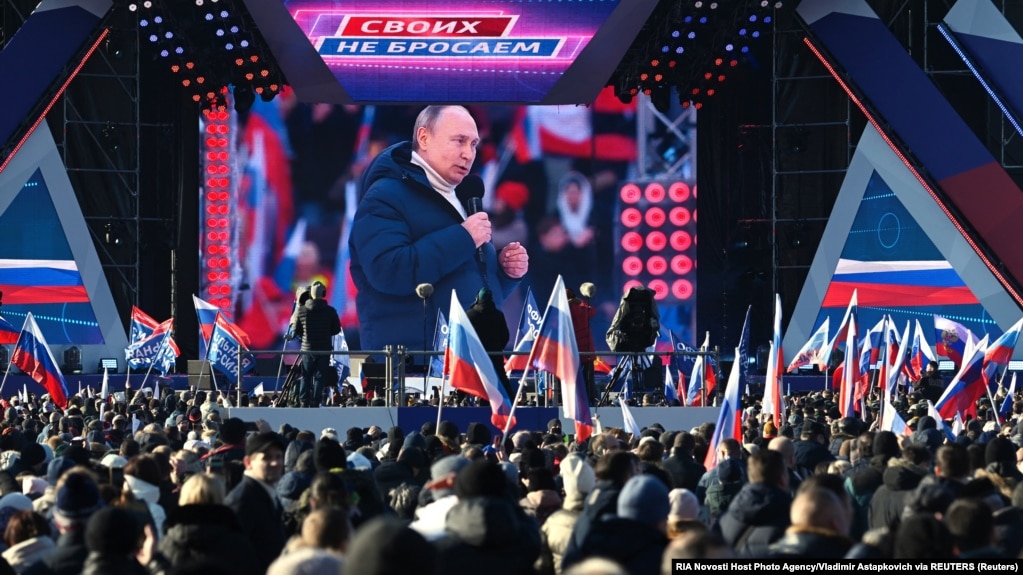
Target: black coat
{"type": "Point", "coordinates": [685, 471]}
{"type": "Point", "coordinates": [900, 479]}
{"type": "Point", "coordinates": [637, 547]}
{"type": "Point", "coordinates": [208, 532]}
{"type": "Point", "coordinates": [757, 517]}
{"type": "Point", "coordinates": [809, 544]}
{"type": "Point", "coordinates": [261, 519]}
{"type": "Point", "coordinates": [96, 564]}
{"type": "Point", "coordinates": [317, 324]}
{"type": "Point", "coordinates": [488, 534]}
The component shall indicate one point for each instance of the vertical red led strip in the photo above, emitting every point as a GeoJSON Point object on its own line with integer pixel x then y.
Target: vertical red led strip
{"type": "Point", "coordinates": [216, 260]}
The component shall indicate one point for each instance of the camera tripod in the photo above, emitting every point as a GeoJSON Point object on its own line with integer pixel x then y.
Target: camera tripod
{"type": "Point", "coordinates": [616, 373]}
{"type": "Point", "coordinates": [289, 391]}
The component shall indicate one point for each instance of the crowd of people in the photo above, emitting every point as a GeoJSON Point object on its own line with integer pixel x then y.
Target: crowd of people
{"type": "Point", "coordinates": [179, 485]}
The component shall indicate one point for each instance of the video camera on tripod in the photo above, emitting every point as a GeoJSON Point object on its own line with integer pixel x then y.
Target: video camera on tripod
{"type": "Point", "coordinates": [635, 327]}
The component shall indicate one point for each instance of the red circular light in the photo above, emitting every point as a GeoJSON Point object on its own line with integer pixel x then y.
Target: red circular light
{"type": "Point", "coordinates": [211, 223]}
{"type": "Point", "coordinates": [632, 266]}
{"type": "Point", "coordinates": [681, 241]}
{"type": "Point", "coordinates": [223, 169]}
{"type": "Point", "coordinates": [660, 288]}
{"type": "Point", "coordinates": [630, 193]}
{"type": "Point", "coordinates": [681, 265]}
{"type": "Point", "coordinates": [656, 265]}
{"type": "Point", "coordinates": [679, 192]}
{"type": "Point", "coordinates": [694, 191]}
{"type": "Point", "coordinates": [225, 262]}
{"type": "Point", "coordinates": [655, 192]}
{"type": "Point", "coordinates": [632, 242]}
{"type": "Point", "coordinates": [224, 182]}
{"type": "Point", "coordinates": [213, 263]}
{"type": "Point", "coordinates": [655, 217]}
{"type": "Point", "coordinates": [656, 241]}
{"type": "Point", "coordinates": [682, 289]}
{"type": "Point", "coordinates": [211, 169]}
{"type": "Point", "coordinates": [679, 216]}
{"type": "Point", "coordinates": [212, 276]}
{"type": "Point", "coordinates": [631, 217]}
{"type": "Point", "coordinates": [631, 284]}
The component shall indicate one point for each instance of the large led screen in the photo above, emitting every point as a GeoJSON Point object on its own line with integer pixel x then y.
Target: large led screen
{"type": "Point", "coordinates": [282, 184]}
{"type": "Point", "coordinates": [405, 51]}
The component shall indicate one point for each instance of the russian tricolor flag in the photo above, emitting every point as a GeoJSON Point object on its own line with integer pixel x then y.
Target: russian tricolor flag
{"type": "Point", "coordinates": [920, 353]}
{"type": "Point", "coordinates": [8, 333]}
{"type": "Point", "coordinates": [467, 363]}
{"type": "Point", "coordinates": [966, 387]}
{"type": "Point", "coordinates": [207, 314]}
{"type": "Point", "coordinates": [33, 356]}
{"type": "Point", "coordinates": [556, 351]}
{"type": "Point", "coordinates": [774, 396]}
{"type": "Point", "coordinates": [999, 353]}
{"type": "Point", "coordinates": [729, 422]}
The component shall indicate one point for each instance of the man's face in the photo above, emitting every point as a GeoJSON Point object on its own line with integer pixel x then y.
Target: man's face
{"type": "Point", "coordinates": [450, 147]}
{"type": "Point", "coordinates": [266, 466]}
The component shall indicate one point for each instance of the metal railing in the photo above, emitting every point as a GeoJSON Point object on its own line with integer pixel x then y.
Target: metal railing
{"type": "Point", "coordinates": [396, 359]}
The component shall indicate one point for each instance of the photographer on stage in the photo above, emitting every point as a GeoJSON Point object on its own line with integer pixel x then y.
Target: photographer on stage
{"type": "Point", "coordinates": [317, 324]}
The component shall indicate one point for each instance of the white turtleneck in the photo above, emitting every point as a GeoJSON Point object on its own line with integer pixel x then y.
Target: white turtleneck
{"type": "Point", "coordinates": [446, 190]}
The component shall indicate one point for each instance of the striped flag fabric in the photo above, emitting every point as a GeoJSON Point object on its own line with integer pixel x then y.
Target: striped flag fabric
{"type": "Point", "coordinates": [628, 421]}
{"type": "Point", "coordinates": [812, 352]}
{"type": "Point", "coordinates": [8, 333]}
{"type": "Point", "coordinates": [998, 354]}
{"type": "Point", "coordinates": [774, 394]}
{"type": "Point", "coordinates": [729, 421]}
{"type": "Point", "coordinates": [920, 353]}
{"type": "Point", "coordinates": [33, 356]}
{"type": "Point", "coordinates": [529, 324]}
{"type": "Point", "coordinates": [142, 325]}
{"type": "Point", "coordinates": [962, 393]}
{"type": "Point", "coordinates": [556, 351]}
{"type": "Point", "coordinates": [467, 363]}
{"type": "Point", "coordinates": [951, 338]}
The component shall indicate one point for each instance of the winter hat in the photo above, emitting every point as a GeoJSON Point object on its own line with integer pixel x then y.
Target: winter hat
{"type": "Point", "coordinates": [56, 468]}
{"type": "Point", "coordinates": [684, 505]}
{"type": "Point", "coordinates": [261, 442]}
{"type": "Point", "coordinates": [388, 545]}
{"type": "Point", "coordinates": [77, 499]}
{"type": "Point", "coordinates": [428, 428]}
{"type": "Point", "coordinates": [331, 433]}
{"type": "Point", "coordinates": [113, 531]}
{"type": "Point", "coordinates": [413, 457]}
{"type": "Point", "coordinates": [447, 465]}
{"type": "Point", "coordinates": [448, 430]}
{"type": "Point", "coordinates": [481, 478]}
{"type": "Point", "coordinates": [295, 448]}
{"type": "Point", "coordinates": [291, 485]}
{"type": "Point", "coordinates": [729, 470]}
{"type": "Point", "coordinates": [511, 471]}
{"type": "Point", "coordinates": [395, 435]}
{"type": "Point", "coordinates": [644, 498]}
{"type": "Point", "coordinates": [477, 434]}
{"type": "Point", "coordinates": [578, 478]}
{"type": "Point", "coordinates": [414, 439]}
{"type": "Point", "coordinates": [232, 431]}
{"type": "Point", "coordinates": [329, 455]}
{"type": "Point", "coordinates": [32, 454]}
{"type": "Point", "coordinates": [1000, 450]}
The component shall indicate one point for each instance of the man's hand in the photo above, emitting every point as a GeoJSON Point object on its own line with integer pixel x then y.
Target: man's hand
{"type": "Point", "coordinates": [478, 226]}
{"type": "Point", "coordinates": [514, 260]}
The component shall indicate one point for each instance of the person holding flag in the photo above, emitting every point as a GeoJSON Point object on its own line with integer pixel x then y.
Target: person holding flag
{"type": "Point", "coordinates": [317, 323]}
{"type": "Point", "coordinates": [492, 329]}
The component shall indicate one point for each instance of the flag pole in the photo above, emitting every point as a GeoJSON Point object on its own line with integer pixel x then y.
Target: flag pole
{"type": "Point", "coordinates": [159, 352]}
{"type": "Point", "coordinates": [280, 368]}
{"type": "Point", "coordinates": [6, 373]}
{"type": "Point", "coordinates": [440, 399]}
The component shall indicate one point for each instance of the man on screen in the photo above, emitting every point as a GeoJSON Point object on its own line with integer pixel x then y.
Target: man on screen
{"type": "Point", "coordinates": [411, 228]}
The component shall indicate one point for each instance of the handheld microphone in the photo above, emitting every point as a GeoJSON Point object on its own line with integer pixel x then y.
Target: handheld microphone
{"type": "Point", "coordinates": [424, 290]}
{"type": "Point", "coordinates": [470, 193]}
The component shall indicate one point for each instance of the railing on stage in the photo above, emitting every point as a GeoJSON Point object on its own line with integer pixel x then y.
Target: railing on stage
{"type": "Point", "coordinates": [396, 360]}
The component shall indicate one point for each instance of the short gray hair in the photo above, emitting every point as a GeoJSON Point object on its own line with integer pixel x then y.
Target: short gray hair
{"type": "Point", "coordinates": [428, 119]}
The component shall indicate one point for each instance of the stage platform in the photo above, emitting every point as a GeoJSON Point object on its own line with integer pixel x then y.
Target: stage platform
{"type": "Point", "coordinates": [412, 418]}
